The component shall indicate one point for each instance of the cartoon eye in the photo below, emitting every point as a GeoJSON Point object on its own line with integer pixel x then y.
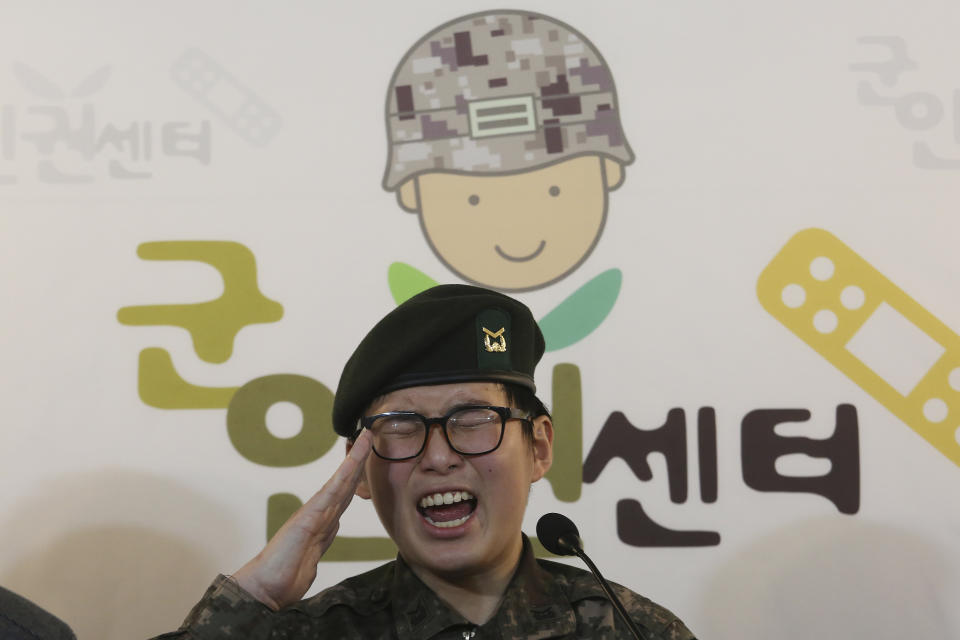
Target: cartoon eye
{"type": "Point", "coordinates": [474, 199]}
{"type": "Point", "coordinates": [554, 191]}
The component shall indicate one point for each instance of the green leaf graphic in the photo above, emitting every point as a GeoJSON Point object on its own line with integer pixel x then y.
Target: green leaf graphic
{"type": "Point", "coordinates": [582, 311]}
{"type": "Point", "coordinates": [406, 281]}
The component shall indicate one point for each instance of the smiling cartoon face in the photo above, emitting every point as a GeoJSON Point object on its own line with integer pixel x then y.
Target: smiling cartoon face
{"type": "Point", "coordinates": [504, 134]}
{"type": "Point", "coordinates": [515, 232]}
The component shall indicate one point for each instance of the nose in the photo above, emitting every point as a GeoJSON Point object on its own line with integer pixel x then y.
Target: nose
{"type": "Point", "coordinates": [437, 454]}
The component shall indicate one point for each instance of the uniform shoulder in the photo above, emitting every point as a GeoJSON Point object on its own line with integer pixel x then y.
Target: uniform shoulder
{"type": "Point", "coordinates": [364, 593]}
{"type": "Point", "coordinates": [583, 591]}
{"type": "Point", "coordinates": [21, 618]}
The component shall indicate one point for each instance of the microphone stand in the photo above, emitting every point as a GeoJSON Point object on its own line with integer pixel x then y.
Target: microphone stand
{"type": "Point", "coordinates": [577, 549]}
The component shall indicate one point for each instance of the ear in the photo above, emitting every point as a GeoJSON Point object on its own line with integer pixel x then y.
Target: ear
{"type": "Point", "coordinates": [363, 489]}
{"type": "Point", "coordinates": [542, 447]}
{"type": "Point", "coordinates": [612, 173]}
{"type": "Point", "coordinates": [408, 195]}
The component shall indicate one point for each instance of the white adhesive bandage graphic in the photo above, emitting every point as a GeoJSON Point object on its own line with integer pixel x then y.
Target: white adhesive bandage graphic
{"type": "Point", "coordinates": [217, 89]}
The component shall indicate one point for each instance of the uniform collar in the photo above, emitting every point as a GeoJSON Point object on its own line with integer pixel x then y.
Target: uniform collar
{"type": "Point", "coordinates": [533, 605]}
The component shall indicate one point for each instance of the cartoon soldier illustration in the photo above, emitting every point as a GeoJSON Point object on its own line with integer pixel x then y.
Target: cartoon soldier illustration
{"type": "Point", "coordinates": [504, 137]}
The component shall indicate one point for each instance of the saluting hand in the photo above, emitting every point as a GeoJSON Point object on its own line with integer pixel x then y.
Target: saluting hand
{"type": "Point", "coordinates": [280, 574]}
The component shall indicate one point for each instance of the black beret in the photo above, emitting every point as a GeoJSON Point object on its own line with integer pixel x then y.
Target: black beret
{"type": "Point", "coordinates": [449, 333]}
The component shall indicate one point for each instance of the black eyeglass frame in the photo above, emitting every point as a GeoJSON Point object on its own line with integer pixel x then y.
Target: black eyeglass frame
{"type": "Point", "coordinates": [505, 413]}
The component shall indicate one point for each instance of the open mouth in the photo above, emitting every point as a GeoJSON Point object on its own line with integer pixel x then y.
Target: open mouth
{"type": "Point", "coordinates": [448, 509]}
{"type": "Point", "coordinates": [526, 258]}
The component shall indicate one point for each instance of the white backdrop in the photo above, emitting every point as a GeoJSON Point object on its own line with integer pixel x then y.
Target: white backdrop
{"type": "Point", "coordinates": [750, 123]}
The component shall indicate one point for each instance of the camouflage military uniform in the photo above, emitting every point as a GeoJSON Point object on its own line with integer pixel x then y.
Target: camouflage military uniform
{"type": "Point", "coordinates": [544, 600]}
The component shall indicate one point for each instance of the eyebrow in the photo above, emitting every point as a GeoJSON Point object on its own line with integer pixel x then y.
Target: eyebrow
{"type": "Point", "coordinates": [469, 403]}
{"type": "Point", "coordinates": [461, 402]}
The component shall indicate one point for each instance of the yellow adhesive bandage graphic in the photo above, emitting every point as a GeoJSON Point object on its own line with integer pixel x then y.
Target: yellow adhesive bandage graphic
{"type": "Point", "coordinates": [213, 325]}
{"type": "Point", "coordinates": [871, 330]}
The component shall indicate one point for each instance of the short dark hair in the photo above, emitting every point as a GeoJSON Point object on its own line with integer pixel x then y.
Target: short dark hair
{"type": "Point", "coordinates": [522, 398]}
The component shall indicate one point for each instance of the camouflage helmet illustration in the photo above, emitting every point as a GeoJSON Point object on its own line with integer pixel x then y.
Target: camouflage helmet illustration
{"type": "Point", "coordinates": [497, 93]}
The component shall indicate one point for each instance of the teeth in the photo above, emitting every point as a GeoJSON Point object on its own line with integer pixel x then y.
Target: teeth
{"type": "Point", "coordinates": [450, 523]}
{"type": "Point", "coordinates": [449, 497]}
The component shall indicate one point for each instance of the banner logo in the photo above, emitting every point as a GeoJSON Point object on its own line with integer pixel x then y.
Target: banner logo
{"type": "Point", "coordinates": [871, 330]}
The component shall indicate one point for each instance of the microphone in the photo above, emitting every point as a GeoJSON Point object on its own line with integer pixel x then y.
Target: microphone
{"type": "Point", "coordinates": [559, 535]}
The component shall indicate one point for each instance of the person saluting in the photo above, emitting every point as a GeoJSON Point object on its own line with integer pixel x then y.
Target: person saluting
{"type": "Point", "coordinates": [445, 435]}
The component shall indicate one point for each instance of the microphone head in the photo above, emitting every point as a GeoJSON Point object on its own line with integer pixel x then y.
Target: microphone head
{"type": "Point", "coordinates": [558, 534]}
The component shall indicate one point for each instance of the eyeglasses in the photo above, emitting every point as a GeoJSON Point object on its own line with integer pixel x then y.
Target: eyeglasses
{"type": "Point", "coordinates": [471, 430]}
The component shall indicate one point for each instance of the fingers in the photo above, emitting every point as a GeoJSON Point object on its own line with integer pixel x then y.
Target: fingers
{"type": "Point", "coordinates": [361, 446]}
{"type": "Point", "coordinates": [348, 474]}
{"type": "Point", "coordinates": [338, 490]}
{"type": "Point", "coordinates": [283, 571]}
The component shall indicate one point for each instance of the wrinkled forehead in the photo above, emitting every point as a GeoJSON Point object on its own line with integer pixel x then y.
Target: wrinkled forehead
{"type": "Point", "coordinates": [436, 399]}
